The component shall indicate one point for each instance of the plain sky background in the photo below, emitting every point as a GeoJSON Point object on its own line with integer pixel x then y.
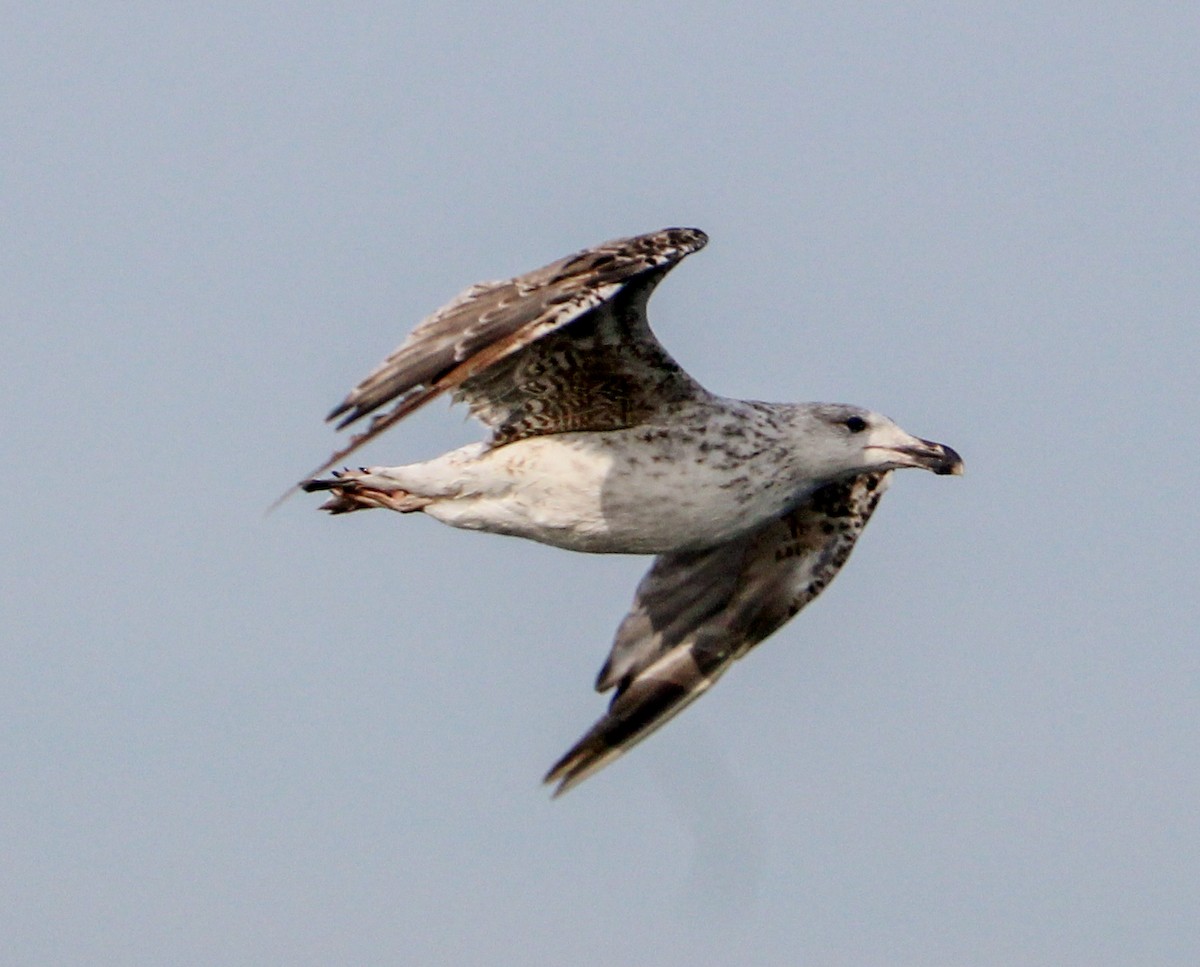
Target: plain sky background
{"type": "Point", "coordinates": [299, 740]}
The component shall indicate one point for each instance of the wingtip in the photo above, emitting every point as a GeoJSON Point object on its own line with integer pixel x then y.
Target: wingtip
{"type": "Point", "coordinates": [593, 752]}
{"type": "Point", "coordinates": [556, 774]}
{"type": "Point", "coordinates": [569, 772]}
{"type": "Point", "coordinates": [559, 789]}
{"type": "Point", "coordinates": [338, 410]}
{"type": "Point", "coordinates": [564, 786]}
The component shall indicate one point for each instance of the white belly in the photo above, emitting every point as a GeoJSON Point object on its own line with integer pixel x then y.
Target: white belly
{"type": "Point", "coordinates": [598, 493]}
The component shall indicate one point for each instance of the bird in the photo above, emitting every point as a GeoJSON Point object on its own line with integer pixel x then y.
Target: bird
{"type": "Point", "coordinates": [600, 442]}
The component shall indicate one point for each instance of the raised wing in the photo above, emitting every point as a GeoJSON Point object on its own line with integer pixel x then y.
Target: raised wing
{"type": "Point", "coordinates": [695, 613]}
{"type": "Point", "coordinates": [502, 347]}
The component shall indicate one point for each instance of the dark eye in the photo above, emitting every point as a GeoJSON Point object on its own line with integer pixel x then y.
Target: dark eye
{"type": "Point", "coordinates": [856, 424]}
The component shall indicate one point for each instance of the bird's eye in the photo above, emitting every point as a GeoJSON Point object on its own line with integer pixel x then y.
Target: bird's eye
{"type": "Point", "coordinates": [856, 424]}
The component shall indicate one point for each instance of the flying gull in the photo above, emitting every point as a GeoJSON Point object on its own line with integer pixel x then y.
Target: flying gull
{"type": "Point", "coordinates": [600, 442]}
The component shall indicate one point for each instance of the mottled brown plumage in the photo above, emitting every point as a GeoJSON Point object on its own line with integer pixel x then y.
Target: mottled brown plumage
{"type": "Point", "coordinates": [695, 613]}
{"type": "Point", "coordinates": [600, 442]}
{"type": "Point", "coordinates": [497, 347]}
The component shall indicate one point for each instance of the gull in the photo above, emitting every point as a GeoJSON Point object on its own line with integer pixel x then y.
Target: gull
{"type": "Point", "coordinates": [600, 442]}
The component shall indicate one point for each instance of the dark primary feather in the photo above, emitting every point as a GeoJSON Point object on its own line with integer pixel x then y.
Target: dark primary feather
{"type": "Point", "coordinates": [495, 319]}
{"type": "Point", "coordinates": [564, 347]}
{"type": "Point", "coordinates": [695, 613]}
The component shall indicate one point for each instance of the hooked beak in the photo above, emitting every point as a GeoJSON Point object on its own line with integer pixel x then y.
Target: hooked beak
{"type": "Point", "coordinates": [928, 455]}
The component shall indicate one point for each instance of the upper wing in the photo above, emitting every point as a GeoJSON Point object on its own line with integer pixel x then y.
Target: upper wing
{"type": "Point", "coordinates": [695, 612]}
{"type": "Point", "coordinates": [601, 375]}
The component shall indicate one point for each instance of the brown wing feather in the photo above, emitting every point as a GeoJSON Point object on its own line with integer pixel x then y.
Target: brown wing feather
{"type": "Point", "coordinates": [695, 613]}
{"type": "Point", "coordinates": [603, 371]}
{"type": "Point", "coordinates": [500, 346]}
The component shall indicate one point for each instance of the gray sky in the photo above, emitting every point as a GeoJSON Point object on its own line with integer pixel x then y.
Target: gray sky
{"type": "Point", "coordinates": [301, 740]}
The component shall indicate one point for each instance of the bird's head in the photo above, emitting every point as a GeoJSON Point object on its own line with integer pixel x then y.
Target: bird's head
{"type": "Point", "coordinates": [853, 440]}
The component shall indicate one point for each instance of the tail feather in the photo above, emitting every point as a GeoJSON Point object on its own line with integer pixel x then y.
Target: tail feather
{"type": "Point", "coordinates": [317, 484]}
{"type": "Point", "coordinates": [351, 493]}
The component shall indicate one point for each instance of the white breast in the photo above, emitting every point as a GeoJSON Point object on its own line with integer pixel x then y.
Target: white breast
{"type": "Point", "coordinates": [631, 491]}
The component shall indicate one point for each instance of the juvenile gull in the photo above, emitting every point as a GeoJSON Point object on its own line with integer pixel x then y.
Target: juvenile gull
{"type": "Point", "coordinates": [600, 442]}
